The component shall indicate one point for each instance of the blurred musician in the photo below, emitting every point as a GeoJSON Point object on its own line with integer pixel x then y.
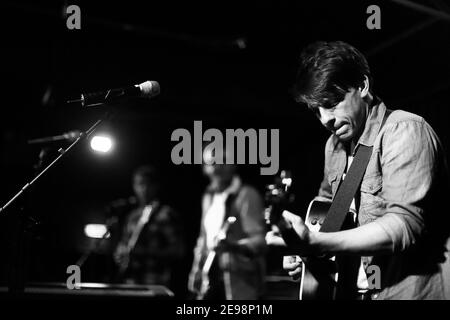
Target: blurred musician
{"type": "Point", "coordinates": [229, 256]}
{"type": "Point", "coordinates": [150, 238]}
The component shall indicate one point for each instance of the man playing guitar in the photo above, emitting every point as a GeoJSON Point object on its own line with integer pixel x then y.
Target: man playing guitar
{"type": "Point", "coordinates": [229, 258]}
{"type": "Point", "coordinates": [401, 227]}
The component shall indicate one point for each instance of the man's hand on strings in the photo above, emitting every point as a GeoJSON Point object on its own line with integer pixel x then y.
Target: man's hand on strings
{"type": "Point", "coordinates": [293, 265]}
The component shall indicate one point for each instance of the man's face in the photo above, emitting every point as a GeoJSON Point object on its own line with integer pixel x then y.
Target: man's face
{"type": "Point", "coordinates": [144, 189]}
{"type": "Point", "coordinates": [214, 171]}
{"type": "Point", "coordinates": [346, 119]}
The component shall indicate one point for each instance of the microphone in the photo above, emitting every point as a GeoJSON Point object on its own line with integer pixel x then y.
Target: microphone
{"type": "Point", "coordinates": [71, 135]}
{"type": "Point", "coordinates": [147, 89]}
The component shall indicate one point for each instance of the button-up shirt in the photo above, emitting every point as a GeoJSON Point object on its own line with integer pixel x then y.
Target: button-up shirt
{"type": "Point", "coordinates": [403, 191]}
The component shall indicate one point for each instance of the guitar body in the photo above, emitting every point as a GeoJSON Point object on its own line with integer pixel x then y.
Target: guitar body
{"type": "Point", "coordinates": [318, 280]}
{"type": "Point", "coordinates": [327, 278]}
{"type": "Point", "coordinates": [212, 256]}
{"type": "Point", "coordinates": [322, 278]}
{"type": "Point", "coordinates": [205, 287]}
{"type": "Point", "coordinates": [123, 252]}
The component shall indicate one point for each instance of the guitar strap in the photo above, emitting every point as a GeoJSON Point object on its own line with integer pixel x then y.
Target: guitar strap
{"type": "Point", "coordinates": [147, 214]}
{"type": "Point", "coordinates": [341, 203]}
{"type": "Point", "coordinates": [344, 196]}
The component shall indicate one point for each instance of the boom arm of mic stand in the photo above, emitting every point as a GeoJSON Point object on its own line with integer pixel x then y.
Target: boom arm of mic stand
{"type": "Point", "coordinates": [82, 136]}
{"type": "Point", "coordinates": [16, 281]}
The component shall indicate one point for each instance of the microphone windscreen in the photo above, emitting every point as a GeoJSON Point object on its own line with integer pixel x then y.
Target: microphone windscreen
{"type": "Point", "coordinates": [149, 89]}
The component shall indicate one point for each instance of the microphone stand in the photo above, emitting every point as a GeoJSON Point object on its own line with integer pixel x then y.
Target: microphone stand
{"type": "Point", "coordinates": [98, 242]}
{"type": "Point", "coordinates": [16, 283]}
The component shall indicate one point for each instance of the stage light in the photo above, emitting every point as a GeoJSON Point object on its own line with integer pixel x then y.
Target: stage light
{"type": "Point", "coordinates": [96, 231]}
{"type": "Point", "coordinates": [101, 143]}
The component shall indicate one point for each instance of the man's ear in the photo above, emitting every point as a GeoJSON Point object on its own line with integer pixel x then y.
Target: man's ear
{"type": "Point", "coordinates": [366, 88]}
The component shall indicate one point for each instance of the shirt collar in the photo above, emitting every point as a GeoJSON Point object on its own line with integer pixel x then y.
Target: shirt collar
{"type": "Point", "coordinates": [373, 124]}
{"type": "Point", "coordinates": [233, 188]}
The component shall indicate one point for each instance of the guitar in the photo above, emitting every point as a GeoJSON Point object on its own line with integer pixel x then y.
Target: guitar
{"type": "Point", "coordinates": [322, 278]}
{"type": "Point", "coordinates": [205, 275]}
{"type": "Point", "coordinates": [123, 251]}
{"type": "Point", "coordinates": [327, 278]}
{"type": "Point", "coordinates": [278, 197]}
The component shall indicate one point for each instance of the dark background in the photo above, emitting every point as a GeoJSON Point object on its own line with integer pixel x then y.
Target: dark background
{"type": "Point", "coordinates": [227, 63]}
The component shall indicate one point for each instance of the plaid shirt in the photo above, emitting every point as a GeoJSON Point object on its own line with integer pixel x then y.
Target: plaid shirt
{"type": "Point", "coordinates": [158, 248]}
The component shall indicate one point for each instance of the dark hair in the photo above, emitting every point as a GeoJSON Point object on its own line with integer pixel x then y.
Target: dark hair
{"type": "Point", "coordinates": [327, 71]}
{"type": "Point", "coordinates": [149, 173]}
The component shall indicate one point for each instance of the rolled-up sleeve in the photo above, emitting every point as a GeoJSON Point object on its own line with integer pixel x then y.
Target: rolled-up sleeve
{"type": "Point", "coordinates": [408, 160]}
